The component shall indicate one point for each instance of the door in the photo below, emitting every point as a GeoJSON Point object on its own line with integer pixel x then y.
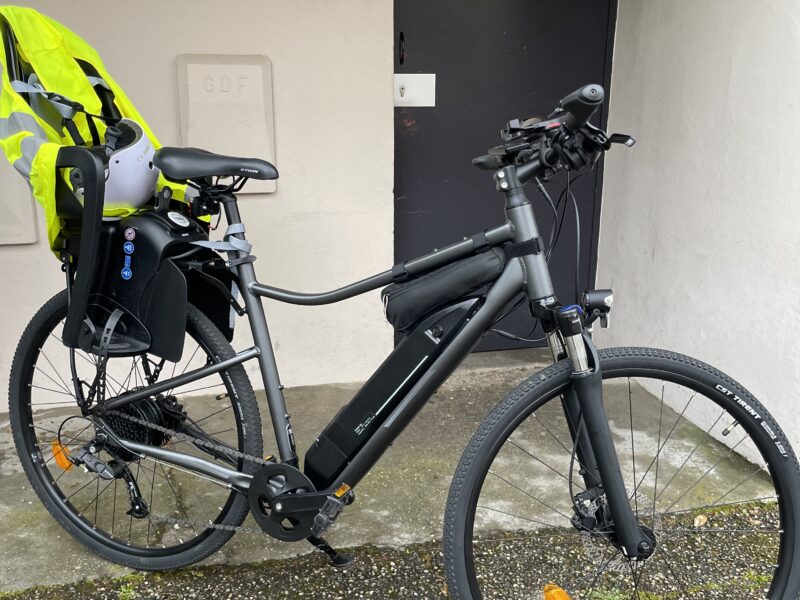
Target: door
{"type": "Point", "coordinates": [493, 61]}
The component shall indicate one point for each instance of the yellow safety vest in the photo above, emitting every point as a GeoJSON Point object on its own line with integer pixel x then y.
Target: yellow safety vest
{"type": "Point", "coordinates": [29, 141]}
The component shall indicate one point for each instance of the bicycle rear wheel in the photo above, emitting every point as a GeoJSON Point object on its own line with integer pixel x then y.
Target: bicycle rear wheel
{"type": "Point", "coordinates": [706, 467]}
{"type": "Point", "coordinates": [43, 410]}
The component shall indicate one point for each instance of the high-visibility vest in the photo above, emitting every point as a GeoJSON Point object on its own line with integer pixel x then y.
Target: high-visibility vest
{"type": "Point", "coordinates": [28, 137]}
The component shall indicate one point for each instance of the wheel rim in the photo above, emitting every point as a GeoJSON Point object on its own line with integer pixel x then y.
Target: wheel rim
{"type": "Point", "coordinates": [96, 507]}
{"type": "Point", "coordinates": [746, 512]}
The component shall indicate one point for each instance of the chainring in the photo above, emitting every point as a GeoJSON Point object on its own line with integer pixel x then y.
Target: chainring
{"type": "Point", "coordinates": [269, 482]}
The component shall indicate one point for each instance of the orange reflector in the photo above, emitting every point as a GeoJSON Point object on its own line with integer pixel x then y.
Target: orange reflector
{"type": "Point", "coordinates": [553, 592]}
{"type": "Point", "coordinates": [343, 489]}
{"type": "Point", "coordinates": [61, 454]}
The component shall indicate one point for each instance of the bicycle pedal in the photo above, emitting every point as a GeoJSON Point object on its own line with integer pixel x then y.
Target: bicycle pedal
{"type": "Point", "coordinates": [334, 504]}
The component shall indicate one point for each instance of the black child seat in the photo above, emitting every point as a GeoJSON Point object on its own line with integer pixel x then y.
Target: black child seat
{"type": "Point", "coordinates": [183, 164]}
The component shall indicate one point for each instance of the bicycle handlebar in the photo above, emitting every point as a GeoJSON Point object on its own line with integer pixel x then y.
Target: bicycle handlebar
{"type": "Point", "coordinates": [581, 104]}
{"type": "Point", "coordinates": [565, 140]}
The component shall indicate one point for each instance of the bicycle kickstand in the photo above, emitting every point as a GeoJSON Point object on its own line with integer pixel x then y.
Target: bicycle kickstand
{"type": "Point", "coordinates": [338, 559]}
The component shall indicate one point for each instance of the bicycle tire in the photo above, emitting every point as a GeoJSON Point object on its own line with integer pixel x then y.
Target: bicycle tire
{"type": "Point", "coordinates": [248, 420]}
{"type": "Point", "coordinates": [540, 388]}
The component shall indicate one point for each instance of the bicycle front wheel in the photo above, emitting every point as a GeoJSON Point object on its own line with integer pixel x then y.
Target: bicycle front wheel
{"type": "Point", "coordinates": [707, 470]}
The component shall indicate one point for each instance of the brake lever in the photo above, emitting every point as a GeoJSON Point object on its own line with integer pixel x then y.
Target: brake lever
{"type": "Point", "coordinates": [621, 138]}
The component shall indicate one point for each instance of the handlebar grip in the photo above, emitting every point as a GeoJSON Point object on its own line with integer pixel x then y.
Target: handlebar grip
{"type": "Point", "coordinates": [581, 104]}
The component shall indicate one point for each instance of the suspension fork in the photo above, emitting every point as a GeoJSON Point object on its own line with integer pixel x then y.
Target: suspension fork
{"type": "Point", "coordinates": [587, 463]}
{"type": "Point", "coordinates": [594, 439]}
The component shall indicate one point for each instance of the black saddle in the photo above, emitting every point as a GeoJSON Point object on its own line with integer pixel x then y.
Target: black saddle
{"type": "Point", "coordinates": [182, 164]}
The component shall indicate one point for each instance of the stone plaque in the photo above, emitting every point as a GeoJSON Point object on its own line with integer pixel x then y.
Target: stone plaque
{"type": "Point", "coordinates": [226, 107]}
{"type": "Point", "coordinates": [17, 211]}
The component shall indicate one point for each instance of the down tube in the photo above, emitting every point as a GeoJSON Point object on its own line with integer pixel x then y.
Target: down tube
{"type": "Point", "coordinates": [504, 289]}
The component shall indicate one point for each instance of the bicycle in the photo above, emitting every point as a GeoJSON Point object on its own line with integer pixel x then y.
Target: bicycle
{"type": "Point", "coordinates": [706, 506]}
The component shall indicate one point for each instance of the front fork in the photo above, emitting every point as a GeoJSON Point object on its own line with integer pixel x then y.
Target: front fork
{"type": "Point", "coordinates": [589, 430]}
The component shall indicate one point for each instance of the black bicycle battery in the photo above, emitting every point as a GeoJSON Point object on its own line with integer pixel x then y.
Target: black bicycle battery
{"type": "Point", "coordinates": [135, 279]}
{"type": "Point", "coordinates": [354, 424]}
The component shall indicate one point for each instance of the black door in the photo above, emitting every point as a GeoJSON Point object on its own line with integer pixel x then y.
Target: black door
{"type": "Point", "coordinates": [494, 60]}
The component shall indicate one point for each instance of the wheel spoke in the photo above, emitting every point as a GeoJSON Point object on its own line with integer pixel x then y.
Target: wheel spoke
{"type": "Point", "coordinates": [740, 484]}
{"type": "Point", "coordinates": [80, 489]}
{"type": "Point", "coordinates": [709, 470]}
{"type": "Point", "coordinates": [762, 499]}
{"type": "Point", "coordinates": [178, 502]}
{"type": "Point", "coordinates": [603, 564]}
{"type": "Point", "coordinates": [689, 456]}
{"type": "Point", "coordinates": [528, 519]}
{"type": "Point", "coordinates": [539, 460]}
{"type": "Point", "coordinates": [51, 390]}
{"type": "Point", "coordinates": [633, 450]}
{"type": "Point", "coordinates": [531, 496]}
{"type": "Point", "coordinates": [61, 379]}
{"type": "Point", "coordinates": [228, 407]}
{"type": "Point", "coordinates": [660, 446]}
{"type": "Point", "coordinates": [662, 555]}
{"type": "Point", "coordinates": [567, 449]}
{"type": "Point", "coordinates": [658, 454]}
{"type": "Point", "coordinates": [195, 390]}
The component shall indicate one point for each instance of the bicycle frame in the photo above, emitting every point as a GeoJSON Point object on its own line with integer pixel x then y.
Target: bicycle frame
{"type": "Point", "coordinates": [502, 291]}
{"type": "Point", "coordinates": [526, 273]}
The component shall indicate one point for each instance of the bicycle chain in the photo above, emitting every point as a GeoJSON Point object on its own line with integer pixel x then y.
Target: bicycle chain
{"type": "Point", "coordinates": [194, 525]}
{"type": "Point", "coordinates": [183, 437]}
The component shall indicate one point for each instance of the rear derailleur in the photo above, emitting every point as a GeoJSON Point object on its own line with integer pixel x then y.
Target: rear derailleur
{"type": "Point", "coordinates": [87, 457]}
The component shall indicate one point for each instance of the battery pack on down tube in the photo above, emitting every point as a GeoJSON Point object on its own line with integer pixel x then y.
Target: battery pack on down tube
{"type": "Point", "coordinates": [354, 423]}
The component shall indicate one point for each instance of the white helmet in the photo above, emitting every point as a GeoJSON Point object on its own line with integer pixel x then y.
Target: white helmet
{"type": "Point", "coordinates": [131, 177]}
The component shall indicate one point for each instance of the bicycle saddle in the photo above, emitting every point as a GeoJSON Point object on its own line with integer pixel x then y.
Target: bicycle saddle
{"type": "Point", "coordinates": [180, 164]}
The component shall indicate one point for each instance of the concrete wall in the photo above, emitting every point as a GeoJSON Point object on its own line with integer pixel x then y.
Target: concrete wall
{"type": "Point", "coordinates": [331, 221]}
{"type": "Point", "coordinates": [699, 232]}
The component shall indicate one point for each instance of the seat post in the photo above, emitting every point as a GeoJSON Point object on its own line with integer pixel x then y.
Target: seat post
{"type": "Point", "coordinates": [284, 434]}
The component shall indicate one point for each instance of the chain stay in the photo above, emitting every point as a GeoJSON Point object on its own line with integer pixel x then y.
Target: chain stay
{"type": "Point", "coordinates": [205, 444]}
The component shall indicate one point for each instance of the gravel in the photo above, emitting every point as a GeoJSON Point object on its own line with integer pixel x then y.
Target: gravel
{"type": "Point", "coordinates": [706, 561]}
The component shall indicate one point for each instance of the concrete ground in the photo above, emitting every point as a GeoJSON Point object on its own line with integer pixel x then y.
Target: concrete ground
{"type": "Point", "coordinates": [400, 504]}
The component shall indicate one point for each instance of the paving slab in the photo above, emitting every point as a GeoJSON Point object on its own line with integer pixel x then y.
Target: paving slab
{"type": "Point", "coordinates": [400, 502]}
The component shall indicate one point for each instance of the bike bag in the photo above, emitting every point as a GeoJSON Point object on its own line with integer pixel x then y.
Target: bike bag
{"type": "Point", "coordinates": [409, 301]}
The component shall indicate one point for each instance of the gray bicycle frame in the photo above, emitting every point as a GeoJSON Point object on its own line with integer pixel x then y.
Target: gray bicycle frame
{"type": "Point", "coordinates": [528, 274]}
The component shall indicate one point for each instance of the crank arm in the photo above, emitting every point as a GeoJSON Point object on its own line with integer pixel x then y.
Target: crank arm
{"type": "Point", "coordinates": [306, 502]}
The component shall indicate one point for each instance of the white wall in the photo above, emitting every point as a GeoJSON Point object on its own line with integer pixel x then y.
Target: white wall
{"type": "Point", "coordinates": [331, 221]}
{"type": "Point", "coordinates": [700, 226]}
